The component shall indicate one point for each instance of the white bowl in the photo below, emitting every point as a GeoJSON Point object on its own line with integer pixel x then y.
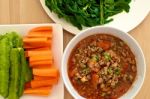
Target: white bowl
{"type": "Point", "coordinates": [131, 42]}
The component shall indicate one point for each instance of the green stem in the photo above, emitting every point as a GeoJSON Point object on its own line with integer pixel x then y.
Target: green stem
{"type": "Point", "coordinates": [101, 12]}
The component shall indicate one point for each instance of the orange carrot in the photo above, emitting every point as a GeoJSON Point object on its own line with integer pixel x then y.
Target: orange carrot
{"type": "Point", "coordinates": [104, 44]}
{"type": "Point", "coordinates": [38, 53]}
{"type": "Point", "coordinates": [42, 28]}
{"type": "Point", "coordinates": [40, 48]}
{"type": "Point", "coordinates": [44, 78]}
{"type": "Point", "coordinates": [47, 34]}
{"type": "Point", "coordinates": [37, 63]}
{"type": "Point", "coordinates": [36, 41]}
{"type": "Point", "coordinates": [32, 40]}
{"type": "Point", "coordinates": [43, 48]}
{"type": "Point", "coordinates": [50, 72]}
{"type": "Point", "coordinates": [26, 46]}
{"type": "Point", "coordinates": [42, 66]}
{"type": "Point", "coordinates": [43, 83]}
{"type": "Point", "coordinates": [42, 91]}
{"type": "Point", "coordinates": [40, 58]}
{"type": "Point", "coordinates": [49, 42]}
{"type": "Point", "coordinates": [35, 45]}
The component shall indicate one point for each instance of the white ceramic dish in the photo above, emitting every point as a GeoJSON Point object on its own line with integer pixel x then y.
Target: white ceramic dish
{"type": "Point", "coordinates": [123, 21]}
{"type": "Point", "coordinates": [132, 43]}
{"type": "Point", "coordinates": [57, 48]}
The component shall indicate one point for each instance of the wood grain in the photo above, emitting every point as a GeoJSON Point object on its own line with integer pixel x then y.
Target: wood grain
{"type": "Point", "coordinates": [30, 11]}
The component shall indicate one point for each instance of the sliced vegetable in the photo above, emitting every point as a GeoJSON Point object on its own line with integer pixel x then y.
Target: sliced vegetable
{"type": "Point", "coordinates": [14, 39]}
{"type": "Point", "coordinates": [28, 76]}
{"type": "Point", "coordinates": [47, 34]}
{"type": "Point", "coordinates": [50, 72]}
{"type": "Point", "coordinates": [15, 74]}
{"type": "Point", "coordinates": [38, 53]}
{"type": "Point", "coordinates": [25, 76]}
{"type": "Point", "coordinates": [38, 44]}
{"type": "Point", "coordinates": [40, 49]}
{"type": "Point", "coordinates": [42, 83]}
{"type": "Point", "coordinates": [43, 78]}
{"type": "Point", "coordinates": [43, 91]}
{"type": "Point", "coordinates": [4, 66]}
{"type": "Point", "coordinates": [40, 58]}
{"type": "Point", "coordinates": [41, 28]}
{"type": "Point", "coordinates": [32, 41]}
{"type": "Point", "coordinates": [39, 63]}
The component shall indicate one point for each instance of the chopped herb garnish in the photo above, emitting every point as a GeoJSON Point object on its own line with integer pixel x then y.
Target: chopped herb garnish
{"type": "Point", "coordinates": [95, 58]}
{"type": "Point", "coordinates": [117, 71]}
{"type": "Point", "coordinates": [86, 71]}
{"type": "Point", "coordinates": [110, 70]}
{"type": "Point", "coordinates": [107, 56]}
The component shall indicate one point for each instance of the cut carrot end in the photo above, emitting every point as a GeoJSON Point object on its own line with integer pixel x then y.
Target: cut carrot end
{"type": "Point", "coordinates": [37, 63]}
{"type": "Point", "coordinates": [43, 82]}
{"type": "Point", "coordinates": [41, 28]}
{"type": "Point", "coordinates": [43, 91]}
{"type": "Point", "coordinates": [51, 72]}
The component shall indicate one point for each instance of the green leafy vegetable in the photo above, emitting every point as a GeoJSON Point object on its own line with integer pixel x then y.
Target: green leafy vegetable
{"type": "Point", "coordinates": [87, 12]}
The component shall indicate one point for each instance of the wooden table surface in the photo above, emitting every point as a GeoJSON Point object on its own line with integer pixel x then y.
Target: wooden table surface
{"type": "Point", "coordinates": [31, 11]}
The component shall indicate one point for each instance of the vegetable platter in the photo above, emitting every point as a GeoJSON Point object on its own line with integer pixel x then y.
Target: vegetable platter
{"type": "Point", "coordinates": [23, 49]}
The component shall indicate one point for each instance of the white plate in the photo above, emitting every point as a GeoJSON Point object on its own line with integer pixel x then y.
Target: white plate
{"type": "Point", "coordinates": [123, 21]}
{"type": "Point", "coordinates": [57, 48]}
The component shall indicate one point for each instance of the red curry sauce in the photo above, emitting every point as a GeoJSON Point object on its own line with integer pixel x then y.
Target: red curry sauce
{"type": "Point", "coordinates": [102, 67]}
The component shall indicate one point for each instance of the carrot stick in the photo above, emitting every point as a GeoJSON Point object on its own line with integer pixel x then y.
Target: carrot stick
{"type": "Point", "coordinates": [36, 41]}
{"type": "Point", "coordinates": [43, 83]}
{"type": "Point", "coordinates": [47, 34]}
{"type": "Point", "coordinates": [40, 58]}
{"type": "Point", "coordinates": [37, 63]}
{"type": "Point", "coordinates": [42, 28]}
{"type": "Point", "coordinates": [40, 49]}
{"type": "Point", "coordinates": [43, 48]}
{"type": "Point", "coordinates": [26, 46]}
{"type": "Point", "coordinates": [36, 45]}
{"type": "Point", "coordinates": [42, 66]}
{"type": "Point", "coordinates": [44, 78]}
{"type": "Point", "coordinates": [50, 72]}
{"type": "Point", "coordinates": [32, 40]}
{"type": "Point", "coordinates": [39, 53]}
{"type": "Point", "coordinates": [43, 91]}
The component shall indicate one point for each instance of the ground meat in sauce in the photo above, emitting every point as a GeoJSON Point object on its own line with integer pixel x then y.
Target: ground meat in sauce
{"type": "Point", "coordinates": [102, 67]}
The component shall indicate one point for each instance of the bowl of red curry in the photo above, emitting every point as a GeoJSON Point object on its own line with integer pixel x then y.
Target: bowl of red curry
{"type": "Point", "coordinates": [103, 63]}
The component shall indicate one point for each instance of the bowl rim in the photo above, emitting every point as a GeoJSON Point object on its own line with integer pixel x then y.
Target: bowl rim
{"type": "Point", "coordinates": [65, 76]}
